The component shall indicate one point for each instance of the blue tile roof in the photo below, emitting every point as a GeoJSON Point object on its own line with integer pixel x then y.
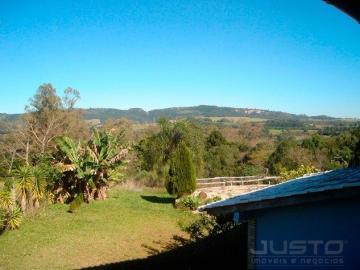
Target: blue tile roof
{"type": "Point", "coordinates": [330, 180]}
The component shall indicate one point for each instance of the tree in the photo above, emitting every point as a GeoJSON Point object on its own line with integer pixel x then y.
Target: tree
{"type": "Point", "coordinates": [221, 160]}
{"type": "Point", "coordinates": [282, 157]}
{"type": "Point", "coordinates": [221, 157]}
{"type": "Point", "coordinates": [30, 187]}
{"type": "Point", "coordinates": [259, 154]}
{"type": "Point", "coordinates": [48, 116]}
{"type": "Point", "coordinates": [215, 139]}
{"type": "Point", "coordinates": [24, 187]}
{"type": "Point", "coordinates": [155, 151]}
{"type": "Point", "coordinates": [356, 157]}
{"type": "Point", "coordinates": [181, 179]}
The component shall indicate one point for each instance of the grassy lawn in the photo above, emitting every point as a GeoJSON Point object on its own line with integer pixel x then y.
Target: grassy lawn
{"type": "Point", "coordinates": [124, 227]}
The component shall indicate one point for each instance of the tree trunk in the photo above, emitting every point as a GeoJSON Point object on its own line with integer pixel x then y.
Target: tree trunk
{"type": "Point", "coordinates": [36, 204]}
{"type": "Point", "coordinates": [23, 203]}
{"type": "Point", "coordinates": [11, 162]}
{"type": "Point", "coordinates": [27, 153]}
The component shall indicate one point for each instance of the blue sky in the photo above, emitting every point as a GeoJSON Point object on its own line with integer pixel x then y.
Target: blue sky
{"type": "Point", "coordinates": [293, 56]}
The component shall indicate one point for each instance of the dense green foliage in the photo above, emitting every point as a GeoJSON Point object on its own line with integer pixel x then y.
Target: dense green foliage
{"type": "Point", "coordinates": [356, 156]}
{"type": "Point", "coordinates": [156, 151]}
{"type": "Point", "coordinates": [86, 166]}
{"type": "Point", "coordinates": [205, 225]}
{"type": "Point", "coordinates": [181, 179]}
{"type": "Point", "coordinates": [188, 202]}
{"type": "Point", "coordinates": [50, 155]}
{"type": "Point", "coordinates": [45, 159]}
{"type": "Point", "coordinates": [298, 172]}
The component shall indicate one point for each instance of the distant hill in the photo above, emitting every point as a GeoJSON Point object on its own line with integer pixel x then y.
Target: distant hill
{"type": "Point", "coordinates": [140, 115]}
{"type": "Point", "coordinates": [5, 116]}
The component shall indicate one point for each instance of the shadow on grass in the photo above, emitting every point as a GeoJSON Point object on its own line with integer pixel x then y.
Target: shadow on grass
{"type": "Point", "coordinates": [177, 242]}
{"type": "Point", "coordinates": [218, 252]}
{"type": "Point", "coordinates": [157, 199]}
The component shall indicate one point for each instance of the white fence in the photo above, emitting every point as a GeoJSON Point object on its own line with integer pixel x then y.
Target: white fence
{"type": "Point", "coordinates": [236, 181]}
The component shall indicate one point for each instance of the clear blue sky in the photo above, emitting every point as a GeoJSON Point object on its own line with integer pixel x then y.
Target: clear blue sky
{"type": "Point", "coordinates": [293, 56]}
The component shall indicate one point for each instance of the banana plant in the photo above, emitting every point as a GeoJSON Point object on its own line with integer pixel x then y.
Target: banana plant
{"type": "Point", "coordinates": [89, 165]}
{"type": "Point", "coordinates": [103, 152]}
{"type": "Point", "coordinates": [78, 172]}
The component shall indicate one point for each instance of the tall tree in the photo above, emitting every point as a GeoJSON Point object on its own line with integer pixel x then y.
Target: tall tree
{"type": "Point", "coordinates": [181, 179]}
{"type": "Point", "coordinates": [46, 117]}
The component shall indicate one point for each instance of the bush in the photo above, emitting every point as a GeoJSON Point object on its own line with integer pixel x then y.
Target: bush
{"type": "Point", "coordinates": [13, 218]}
{"type": "Point", "coordinates": [201, 227]}
{"type": "Point", "coordinates": [188, 202]}
{"type": "Point", "coordinates": [181, 179]}
{"type": "Point", "coordinates": [300, 171]}
{"type": "Point", "coordinates": [5, 200]}
{"type": "Point", "coordinates": [204, 226]}
{"type": "Point", "coordinates": [75, 203]}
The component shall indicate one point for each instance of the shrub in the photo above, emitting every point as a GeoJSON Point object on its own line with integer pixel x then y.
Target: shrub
{"type": "Point", "coordinates": [188, 202]}
{"type": "Point", "coordinates": [75, 203]}
{"type": "Point", "coordinates": [206, 225]}
{"type": "Point", "coordinates": [5, 200]}
{"type": "Point", "coordinates": [10, 213]}
{"type": "Point", "coordinates": [181, 179]}
{"type": "Point", "coordinates": [201, 227]}
{"type": "Point", "coordinates": [300, 171]}
{"type": "Point", "coordinates": [13, 218]}
{"type": "Point", "coordinates": [2, 220]}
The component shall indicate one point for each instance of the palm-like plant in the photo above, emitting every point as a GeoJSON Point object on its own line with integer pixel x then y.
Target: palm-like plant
{"type": "Point", "coordinates": [2, 220]}
{"type": "Point", "coordinates": [24, 186]}
{"type": "Point", "coordinates": [103, 152]}
{"type": "Point", "coordinates": [10, 214]}
{"type": "Point", "coordinates": [6, 201]}
{"type": "Point", "coordinates": [13, 218]}
{"type": "Point", "coordinates": [38, 187]}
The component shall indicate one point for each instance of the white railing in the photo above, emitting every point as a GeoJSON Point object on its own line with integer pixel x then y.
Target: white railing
{"type": "Point", "coordinates": [230, 181]}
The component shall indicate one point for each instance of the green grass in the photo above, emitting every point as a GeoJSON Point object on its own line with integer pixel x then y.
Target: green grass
{"type": "Point", "coordinates": [120, 228]}
{"type": "Point", "coordinates": [274, 131]}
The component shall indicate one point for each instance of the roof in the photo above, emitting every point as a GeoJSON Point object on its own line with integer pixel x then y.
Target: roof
{"type": "Point", "coordinates": [324, 182]}
{"type": "Point", "coordinates": [351, 7]}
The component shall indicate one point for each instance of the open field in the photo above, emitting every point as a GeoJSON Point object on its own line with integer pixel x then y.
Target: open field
{"type": "Point", "coordinates": [235, 119]}
{"type": "Point", "coordinates": [129, 225]}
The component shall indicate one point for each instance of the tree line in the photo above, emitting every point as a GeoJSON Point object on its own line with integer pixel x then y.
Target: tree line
{"type": "Point", "coordinates": [51, 155]}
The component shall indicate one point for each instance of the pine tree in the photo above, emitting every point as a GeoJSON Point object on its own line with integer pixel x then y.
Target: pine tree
{"type": "Point", "coordinates": [181, 179]}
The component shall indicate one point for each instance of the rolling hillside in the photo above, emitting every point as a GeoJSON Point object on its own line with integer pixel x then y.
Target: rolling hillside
{"type": "Point", "coordinates": [140, 115]}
